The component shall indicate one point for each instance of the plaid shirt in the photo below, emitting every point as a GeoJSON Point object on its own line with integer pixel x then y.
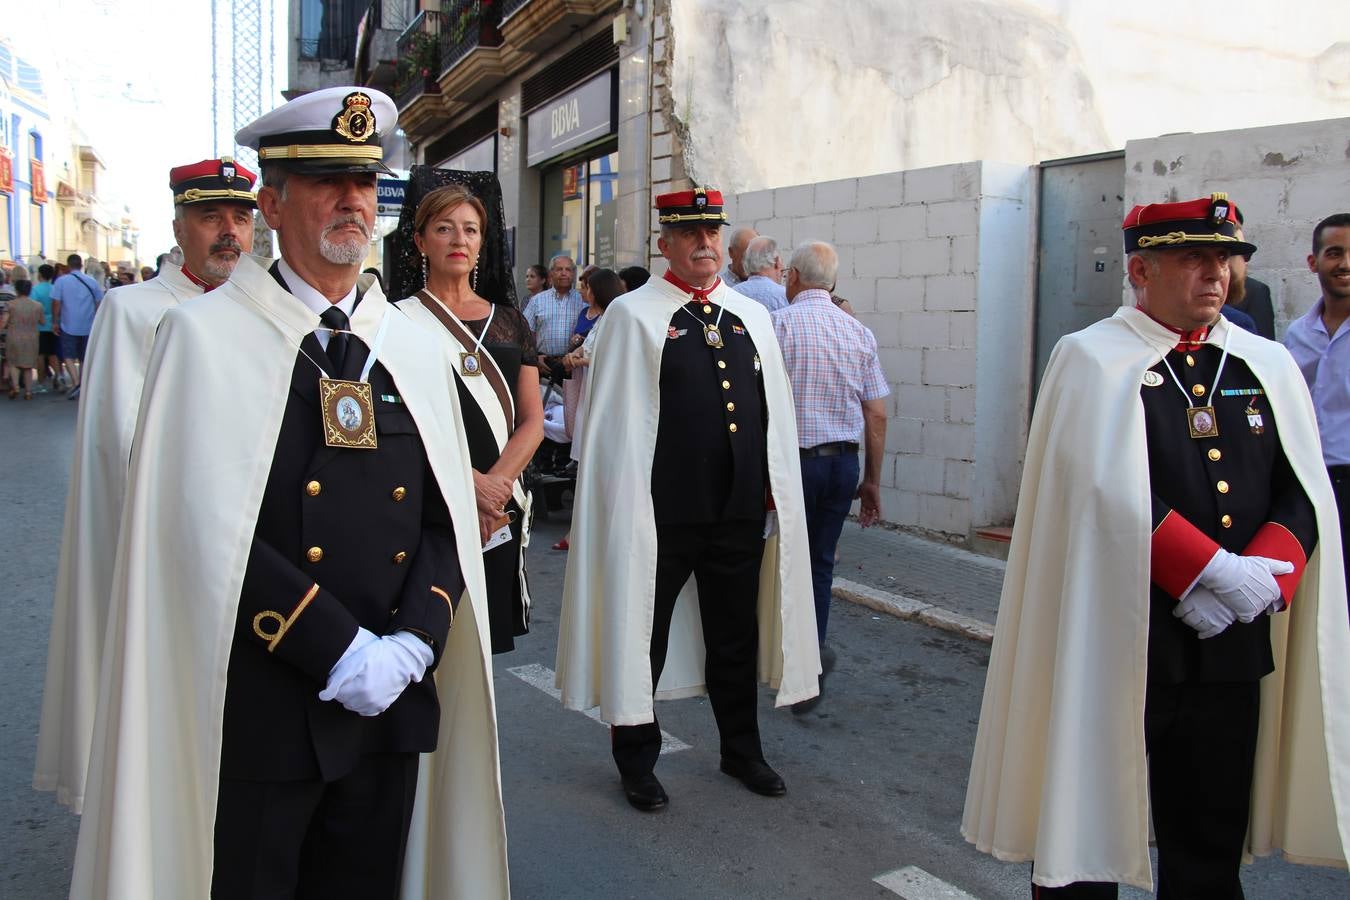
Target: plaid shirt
{"type": "Point", "coordinates": [831, 360]}
{"type": "Point", "coordinates": [553, 318]}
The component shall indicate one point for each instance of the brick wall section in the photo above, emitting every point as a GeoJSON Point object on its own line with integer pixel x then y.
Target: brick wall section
{"type": "Point", "coordinates": [908, 247]}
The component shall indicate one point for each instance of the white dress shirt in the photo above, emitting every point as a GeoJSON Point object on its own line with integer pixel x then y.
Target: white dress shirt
{"type": "Point", "coordinates": [301, 290]}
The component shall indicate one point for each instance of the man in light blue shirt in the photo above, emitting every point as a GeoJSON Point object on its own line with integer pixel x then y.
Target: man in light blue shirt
{"type": "Point", "coordinates": [1319, 341]}
{"type": "Point", "coordinates": [552, 313]}
{"type": "Point", "coordinates": [75, 300]}
{"type": "Point", "coordinates": [765, 268]}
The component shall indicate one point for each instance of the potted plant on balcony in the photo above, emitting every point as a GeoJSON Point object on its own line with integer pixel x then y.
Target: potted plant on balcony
{"type": "Point", "coordinates": [420, 65]}
{"type": "Point", "coordinates": [474, 18]}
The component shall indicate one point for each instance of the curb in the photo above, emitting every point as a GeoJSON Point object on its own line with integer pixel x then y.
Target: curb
{"type": "Point", "coordinates": [911, 610]}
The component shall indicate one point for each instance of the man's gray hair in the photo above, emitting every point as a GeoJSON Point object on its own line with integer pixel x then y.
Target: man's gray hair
{"type": "Point", "coordinates": [816, 265]}
{"type": "Point", "coordinates": [1149, 256]}
{"type": "Point", "coordinates": [557, 256]}
{"type": "Point", "coordinates": [760, 255]}
{"type": "Point", "coordinates": [275, 176]}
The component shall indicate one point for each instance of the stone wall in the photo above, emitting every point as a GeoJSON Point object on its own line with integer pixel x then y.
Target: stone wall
{"type": "Point", "coordinates": [1286, 179]}
{"type": "Point", "coordinates": [936, 262]}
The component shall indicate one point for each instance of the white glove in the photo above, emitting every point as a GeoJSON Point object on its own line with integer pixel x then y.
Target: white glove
{"type": "Point", "coordinates": [1204, 612]}
{"type": "Point", "coordinates": [1245, 584]}
{"type": "Point", "coordinates": [377, 672]}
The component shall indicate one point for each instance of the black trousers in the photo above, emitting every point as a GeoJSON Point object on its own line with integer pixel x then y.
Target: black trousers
{"type": "Point", "coordinates": [1201, 741]}
{"type": "Point", "coordinates": [1340, 486]}
{"type": "Point", "coordinates": [724, 559]}
{"type": "Point", "coordinates": [310, 839]}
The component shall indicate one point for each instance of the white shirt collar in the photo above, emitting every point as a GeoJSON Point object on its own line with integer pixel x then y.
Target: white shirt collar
{"type": "Point", "coordinates": [301, 290]}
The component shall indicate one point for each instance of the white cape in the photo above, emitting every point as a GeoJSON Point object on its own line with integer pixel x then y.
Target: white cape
{"type": "Point", "coordinates": [110, 391]}
{"type": "Point", "coordinates": [203, 448]}
{"type": "Point", "coordinates": [610, 588]}
{"type": "Point", "coordinates": [1059, 770]}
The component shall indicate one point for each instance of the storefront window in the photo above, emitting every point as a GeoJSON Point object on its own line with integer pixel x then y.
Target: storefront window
{"type": "Point", "coordinates": [579, 210]}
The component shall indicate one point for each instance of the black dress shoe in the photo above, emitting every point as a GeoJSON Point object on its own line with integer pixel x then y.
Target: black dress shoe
{"type": "Point", "coordinates": [756, 775]}
{"type": "Point", "coordinates": [644, 792]}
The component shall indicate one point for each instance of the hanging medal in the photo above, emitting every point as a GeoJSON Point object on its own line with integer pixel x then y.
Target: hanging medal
{"type": "Point", "coordinates": [347, 406]}
{"type": "Point", "coordinates": [712, 331]}
{"type": "Point", "coordinates": [471, 363]}
{"type": "Point", "coordinates": [1201, 421]}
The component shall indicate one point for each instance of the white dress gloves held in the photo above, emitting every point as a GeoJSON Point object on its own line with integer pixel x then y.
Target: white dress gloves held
{"type": "Point", "coordinates": [1245, 584]}
{"type": "Point", "coordinates": [373, 671]}
{"type": "Point", "coordinates": [1204, 612]}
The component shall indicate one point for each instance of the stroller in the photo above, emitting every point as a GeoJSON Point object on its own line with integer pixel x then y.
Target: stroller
{"type": "Point", "coordinates": [551, 473]}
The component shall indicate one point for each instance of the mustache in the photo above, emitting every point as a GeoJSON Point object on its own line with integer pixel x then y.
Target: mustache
{"type": "Point", "coordinates": [347, 220]}
{"type": "Point", "coordinates": [704, 254]}
{"type": "Point", "coordinates": [227, 243]}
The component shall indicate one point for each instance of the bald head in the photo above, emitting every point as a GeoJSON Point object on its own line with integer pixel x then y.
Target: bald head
{"type": "Point", "coordinates": [740, 239]}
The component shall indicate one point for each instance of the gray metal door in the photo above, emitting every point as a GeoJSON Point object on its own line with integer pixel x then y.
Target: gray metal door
{"type": "Point", "coordinates": [1079, 264]}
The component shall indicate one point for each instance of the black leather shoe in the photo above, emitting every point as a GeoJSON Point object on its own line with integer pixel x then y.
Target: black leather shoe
{"type": "Point", "coordinates": [756, 775]}
{"type": "Point", "coordinates": [644, 792]}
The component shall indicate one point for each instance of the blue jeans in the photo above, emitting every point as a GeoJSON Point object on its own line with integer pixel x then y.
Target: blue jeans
{"type": "Point", "coordinates": [829, 484]}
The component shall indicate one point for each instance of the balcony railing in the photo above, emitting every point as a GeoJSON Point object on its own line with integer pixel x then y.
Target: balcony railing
{"type": "Point", "coordinates": [510, 6]}
{"type": "Point", "coordinates": [468, 25]}
{"type": "Point", "coordinates": [419, 56]}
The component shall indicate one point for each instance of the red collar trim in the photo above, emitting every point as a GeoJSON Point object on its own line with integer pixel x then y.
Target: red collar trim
{"type": "Point", "coordinates": [206, 288]}
{"type": "Point", "coordinates": [698, 293]}
{"type": "Point", "coordinates": [1186, 340]}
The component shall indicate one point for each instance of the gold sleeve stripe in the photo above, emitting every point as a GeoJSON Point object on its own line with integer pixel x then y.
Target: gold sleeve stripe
{"type": "Point", "coordinates": [320, 151]}
{"type": "Point", "coordinates": [448, 602]}
{"type": "Point", "coordinates": [283, 624]}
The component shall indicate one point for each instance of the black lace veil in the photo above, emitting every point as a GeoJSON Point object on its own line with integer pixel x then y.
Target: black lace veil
{"type": "Point", "coordinates": [496, 281]}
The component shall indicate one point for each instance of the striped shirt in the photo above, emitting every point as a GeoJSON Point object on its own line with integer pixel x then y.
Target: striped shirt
{"type": "Point", "coordinates": [553, 317]}
{"type": "Point", "coordinates": [831, 360]}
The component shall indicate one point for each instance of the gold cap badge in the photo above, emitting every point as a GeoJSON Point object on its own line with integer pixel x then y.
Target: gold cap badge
{"type": "Point", "coordinates": [356, 122]}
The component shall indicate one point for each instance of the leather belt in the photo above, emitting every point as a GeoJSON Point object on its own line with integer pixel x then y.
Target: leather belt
{"type": "Point", "coordinates": [836, 448]}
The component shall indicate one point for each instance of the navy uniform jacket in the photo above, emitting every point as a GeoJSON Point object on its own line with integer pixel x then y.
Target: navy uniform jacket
{"type": "Point", "coordinates": [345, 537]}
{"type": "Point", "coordinates": [1234, 491]}
{"type": "Point", "coordinates": [711, 458]}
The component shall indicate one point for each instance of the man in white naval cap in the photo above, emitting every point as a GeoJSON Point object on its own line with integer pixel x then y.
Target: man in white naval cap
{"type": "Point", "coordinates": [299, 589]}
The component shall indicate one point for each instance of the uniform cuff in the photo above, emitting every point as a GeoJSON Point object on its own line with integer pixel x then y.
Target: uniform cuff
{"type": "Point", "coordinates": [1180, 552]}
{"type": "Point", "coordinates": [1274, 541]}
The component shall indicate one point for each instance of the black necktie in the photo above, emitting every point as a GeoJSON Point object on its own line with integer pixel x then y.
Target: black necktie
{"type": "Point", "coordinates": [336, 320]}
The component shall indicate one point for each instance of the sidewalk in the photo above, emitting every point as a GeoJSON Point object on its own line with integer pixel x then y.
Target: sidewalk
{"type": "Point", "coordinates": [911, 577]}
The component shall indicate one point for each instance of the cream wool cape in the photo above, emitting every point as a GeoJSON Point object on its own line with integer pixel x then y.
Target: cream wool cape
{"type": "Point", "coordinates": [114, 371]}
{"type": "Point", "coordinates": [610, 586]}
{"type": "Point", "coordinates": [200, 461]}
{"type": "Point", "coordinates": [1059, 770]}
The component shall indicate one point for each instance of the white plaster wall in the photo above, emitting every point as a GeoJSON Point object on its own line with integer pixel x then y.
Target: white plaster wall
{"type": "Point", "coordinates": [1286, 179]}
{"type": "Point", "coordinates": [774, 93]}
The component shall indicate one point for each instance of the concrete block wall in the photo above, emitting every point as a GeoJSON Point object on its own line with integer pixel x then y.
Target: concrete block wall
{"type": "Point", "coordinates": [913, 251]}
{"type": "Point", "coordinates": [1286, 179]}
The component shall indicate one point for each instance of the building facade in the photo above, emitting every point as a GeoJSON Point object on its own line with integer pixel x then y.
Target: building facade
{"type": "Point", "coordinates": [25, 132]}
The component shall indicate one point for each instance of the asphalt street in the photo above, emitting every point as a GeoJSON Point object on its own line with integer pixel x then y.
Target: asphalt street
{"type": "Point", "coordinates": [876, 773]}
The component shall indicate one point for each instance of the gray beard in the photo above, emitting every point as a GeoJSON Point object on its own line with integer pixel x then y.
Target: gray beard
{"type": "Point", "coordinates": [342, 254]}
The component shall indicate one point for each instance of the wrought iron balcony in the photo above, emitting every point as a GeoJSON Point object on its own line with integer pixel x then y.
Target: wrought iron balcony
{"type": "Point", "coordinates": [419, 58]}
{"type": "Point", "coordinates": [468, 25]}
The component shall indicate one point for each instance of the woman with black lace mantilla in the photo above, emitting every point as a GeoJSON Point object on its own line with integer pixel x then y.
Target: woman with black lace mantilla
{"type": "Point", "coordinates": [496, 367]}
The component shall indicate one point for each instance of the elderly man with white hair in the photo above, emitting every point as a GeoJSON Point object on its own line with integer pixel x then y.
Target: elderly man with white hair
{"type": "Point", "coordinates": [839, 391]}
{"type": "Point", "coordinates": [765, 266]}
{"type": "Point", "coordinates": [734, 272]}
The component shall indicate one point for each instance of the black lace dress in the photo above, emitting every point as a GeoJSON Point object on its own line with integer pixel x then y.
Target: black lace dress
{"type": "Point", "coordinates": [511, 344]}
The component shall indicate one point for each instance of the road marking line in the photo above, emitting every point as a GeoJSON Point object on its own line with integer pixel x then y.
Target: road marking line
{"type": "Point", "coordinates": [914, 883]}
{"type": "Point", "coordinates": [542, 677]}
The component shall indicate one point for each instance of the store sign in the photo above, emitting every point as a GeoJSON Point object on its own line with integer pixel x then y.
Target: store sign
{"type": "Point", "coordinates": [6, 172]}
{"type": "Point", "coordinates": [573, 119]}
{"type": "Point", "coordinates": [481, 157]}
{"type": "Point", "coordinates": [606, 220]}
{"type": "Point", "coordinates": [389, 194]}
{"type": "Point", "coordinates": [38, 182]}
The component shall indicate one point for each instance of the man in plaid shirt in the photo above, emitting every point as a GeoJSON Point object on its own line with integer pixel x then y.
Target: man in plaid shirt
{"type": "Point", "coordinates": [552, 313]}
{"type": "Point", "coordinates": [839, 393]}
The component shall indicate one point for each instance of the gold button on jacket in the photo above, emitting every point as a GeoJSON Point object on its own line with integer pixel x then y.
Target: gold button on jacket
{"type": "Point", "coordinates": [399, 557]}
{"type": "Point", "coordinates": [1215, 454]}
{"type": "Point", "coordinates": [399, 493]}
{"type": "Point", "coordinates": [314, 554]}
{"type": "Point", "coordinates": [1222, 486]}
{"type": "Point", "coordinates": [1198, 390]}
{"type": "Point", "coordinates": [313, 488]}
{"type": "Point", "coordinates": [1226, 521]}
{"type": "Point", "coordinates": [732, 426]}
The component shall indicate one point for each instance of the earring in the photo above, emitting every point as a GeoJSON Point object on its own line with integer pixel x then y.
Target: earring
{"type": "Point", "coordinates": [424, 269]}
{"type": "Point", "coordinates": [474, 283]}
